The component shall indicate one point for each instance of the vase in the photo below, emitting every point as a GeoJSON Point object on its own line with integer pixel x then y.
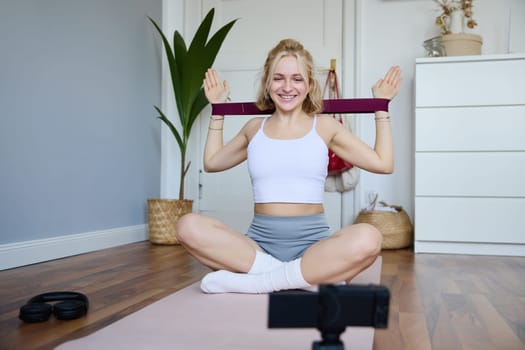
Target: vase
{"type": "Point", "coordinates": [434, 47]}
{"type": "Point", "coordinates": [462, 44]}
{"type": "Point", "coordinates": [456, 21]}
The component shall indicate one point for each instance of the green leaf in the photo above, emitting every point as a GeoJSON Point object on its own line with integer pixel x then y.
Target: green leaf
{"type": "Point", "coordinates": [215, 43]}
{"type": "Point", "coordinates": [201, 36]}
{"type": "Point", "coordinates": [198, 105]}
{"type": "Point", "coordinates": [172, 128]}
{"type": "Point", "coordinates": [186, 168]}
{"type": "Point", "coordinates": [194, 71]}
{"type": "Point", "coordinates": [200, 58]}
{"type": "Point", "coordinates": [179, 48]}
{"type": "Point", "coordinates": [174, 71]}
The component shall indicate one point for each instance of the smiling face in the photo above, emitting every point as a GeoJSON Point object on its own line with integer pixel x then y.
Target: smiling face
{"type": "Point", "coordinates": [288, 80]}
{"type": "Point", "coordinates": [288, 87]}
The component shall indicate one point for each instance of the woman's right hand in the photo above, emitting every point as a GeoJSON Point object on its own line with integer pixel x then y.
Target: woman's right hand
{"type": "Point", "coordinates": [215, 90]}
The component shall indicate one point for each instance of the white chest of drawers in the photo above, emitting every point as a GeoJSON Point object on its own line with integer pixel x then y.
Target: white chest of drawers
{"type": "Point", "coordinates": [470, 155]}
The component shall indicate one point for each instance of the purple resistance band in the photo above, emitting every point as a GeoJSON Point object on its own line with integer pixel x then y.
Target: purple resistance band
{"type": "Point", "coordinates": [343, 105]}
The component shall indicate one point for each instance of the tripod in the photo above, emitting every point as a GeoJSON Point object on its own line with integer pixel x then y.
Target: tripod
{"type": "Point", "coordinates": [330, 339]}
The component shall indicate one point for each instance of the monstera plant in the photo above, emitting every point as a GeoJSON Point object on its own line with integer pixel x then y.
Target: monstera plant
{"type": "Point", "coordinates": [187, 68]}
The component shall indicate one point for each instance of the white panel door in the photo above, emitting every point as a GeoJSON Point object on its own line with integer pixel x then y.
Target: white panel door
{"type": "Point", "coordinates": [260, 25]}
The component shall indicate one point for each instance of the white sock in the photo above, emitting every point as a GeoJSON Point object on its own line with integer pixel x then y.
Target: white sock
{"type": "Point", "coordinates": [287, 276]}
{"type": "Point", "coordinates": [264, 263]}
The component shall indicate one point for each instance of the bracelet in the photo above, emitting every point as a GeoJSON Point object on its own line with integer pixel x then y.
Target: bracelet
{"type": "Point", "coordinates": [380, 119]}
{"type": "Point", "coordinates": [210, 128]}
{"type": "Point", "coordinates": [219, 118]}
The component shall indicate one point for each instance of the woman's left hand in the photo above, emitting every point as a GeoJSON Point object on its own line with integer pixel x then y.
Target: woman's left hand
{"type": "Point", "coordinates": [389, 85]}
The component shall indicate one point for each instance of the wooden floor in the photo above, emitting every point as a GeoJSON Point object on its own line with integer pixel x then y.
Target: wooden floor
{"type": "Point", "coordinates": [437, 301]}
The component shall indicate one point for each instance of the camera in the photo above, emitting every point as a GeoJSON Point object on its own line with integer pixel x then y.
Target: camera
{"type": "Point", "coordinates": [330, 310]}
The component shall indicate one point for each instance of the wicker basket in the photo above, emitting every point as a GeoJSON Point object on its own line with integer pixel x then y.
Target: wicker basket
{"type": "Point", "coordinates": [396, 228]}
{"type": "Point", "coordinates": [162, 218]}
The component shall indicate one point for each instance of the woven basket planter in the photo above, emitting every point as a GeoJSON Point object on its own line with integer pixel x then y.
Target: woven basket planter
{"type": "Point", "coordinates": [163, 215]}
{"type": "Point", "coordinates": [396, 228]}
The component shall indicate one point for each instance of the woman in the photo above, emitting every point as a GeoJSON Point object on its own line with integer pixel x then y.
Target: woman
{"type": "Point", "coordinates": [288, 245]}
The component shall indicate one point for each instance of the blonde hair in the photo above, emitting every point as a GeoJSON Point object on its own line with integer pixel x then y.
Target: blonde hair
{"type": "Point", "coordinates": [313, 102]}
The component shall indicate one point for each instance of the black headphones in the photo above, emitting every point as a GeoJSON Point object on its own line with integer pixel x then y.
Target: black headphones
{"type": "Point", "coordinates": [71, 305]}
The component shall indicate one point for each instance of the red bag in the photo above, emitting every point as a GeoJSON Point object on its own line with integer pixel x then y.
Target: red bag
{"type": "Point", "coordinates": [336, 165]}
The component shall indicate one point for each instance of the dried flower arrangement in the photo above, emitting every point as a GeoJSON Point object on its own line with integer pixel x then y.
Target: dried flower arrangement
{"type": "Point", "coordinates": [447, 6]}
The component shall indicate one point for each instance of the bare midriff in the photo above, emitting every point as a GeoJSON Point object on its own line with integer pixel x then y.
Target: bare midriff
{"type": "Point", "coordinates": [288, 209]}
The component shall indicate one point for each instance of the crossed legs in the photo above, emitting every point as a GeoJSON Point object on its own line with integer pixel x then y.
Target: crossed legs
{"type": "Point", "coordinates": [215, 244]}
{"type": "Point", "coordinates": [244, 268]}
{"type": "Point", "coordinates": [343, 255]}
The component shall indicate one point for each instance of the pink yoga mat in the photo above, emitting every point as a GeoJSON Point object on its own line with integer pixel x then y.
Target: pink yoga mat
{"type": "Point", "coordinates": [192, 320]}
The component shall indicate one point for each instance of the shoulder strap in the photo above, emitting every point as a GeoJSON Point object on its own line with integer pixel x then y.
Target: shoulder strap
{"type": "Point", "coordinates": [262, 123]}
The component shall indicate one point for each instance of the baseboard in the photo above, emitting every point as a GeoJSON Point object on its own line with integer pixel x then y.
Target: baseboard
{"type": "Point", "coordinates": [31, 252]}
{"type": "Point", "coordinates": [470, 248]}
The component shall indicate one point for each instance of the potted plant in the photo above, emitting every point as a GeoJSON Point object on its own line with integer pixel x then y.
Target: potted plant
{"type": "Point", "coordinates": [187, 66]}
{"type": "Point", "coordinates": [451, 21]}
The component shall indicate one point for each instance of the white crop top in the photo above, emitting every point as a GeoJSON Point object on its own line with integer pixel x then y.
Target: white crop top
{"type": "Point", "coordinates": [288, 171]}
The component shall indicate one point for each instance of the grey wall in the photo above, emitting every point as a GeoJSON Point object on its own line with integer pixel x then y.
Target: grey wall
{"type": "Point", "coordinates": [79, 141]}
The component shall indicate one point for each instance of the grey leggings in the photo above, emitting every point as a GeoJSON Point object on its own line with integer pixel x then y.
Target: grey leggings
{"type": "Point", "coordinates": [287, 237]}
